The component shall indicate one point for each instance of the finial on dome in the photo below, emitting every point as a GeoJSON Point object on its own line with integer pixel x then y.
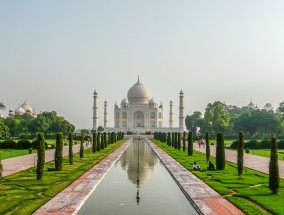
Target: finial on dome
{"type": "Point", "coordinates": [138, 79]}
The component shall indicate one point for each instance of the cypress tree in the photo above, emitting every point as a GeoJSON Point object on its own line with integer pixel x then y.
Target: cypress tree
{"type": "Point", "coordinates": [40, 156]}
{"type": "Point", "coordinates": [176, 140]}
{"type": "Point", "coordinates": [70, 138]}
{"type": "Point", "coordinates": [179, 141]}
{"type": "Point", "coordinates": [105, 139]}
{"type": "Point", "coordinates": [220, 152]}
{"type": "Point", "coordinates": [183, 141]}
{"type": "Point", "coordinates": [102, 141]}
{"type": "Point", "coordinates": [112, 137]}
{"type": "Point", "coordinates": [82, 146]}
{"type": "Point", "coordinates": [109, 138]}
{"type": "Point", "coordinates": [122, 135]}
{"type": "Point", "coordinates": [94, 146]}
{"type": "Point", "coordinates": [190, 144]}
{"type": "Point", "coordinates": [99, 142]}
{"type": "Point", "coordinates": [173, 139]}
{"type": "Point", "coordinates": [169, 139]}
{"type": "Point", "coordinates": [58, 159]}
{"type": "Point", "coordinates": [207, 146]}
{"type": "Point", "coordinates": [274, 180]}
{"type": "Point", "coordinates": [240, 158]}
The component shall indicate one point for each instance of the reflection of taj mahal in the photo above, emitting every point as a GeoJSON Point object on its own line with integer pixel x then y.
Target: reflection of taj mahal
{"type": "Point", "coordinates": [138, 113]}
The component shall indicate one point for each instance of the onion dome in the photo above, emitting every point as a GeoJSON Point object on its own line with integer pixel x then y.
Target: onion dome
{"type": "Point", "coordinates": [138, 94]}
{"type": "Point", "coordinates": [20, 111]}
{"type": "Point", "coordinates": [27, 107]}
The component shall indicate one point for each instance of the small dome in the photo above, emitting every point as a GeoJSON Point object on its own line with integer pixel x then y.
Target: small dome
{"type": "Point", "coordinates": [138, 94]}
{"type": "Point", "coordinates": [27, 107]}
{"type": "Point", "coordinates": [152, 101]}
{"type": "Point", "coordinates": [124, 102]}
{"type": "Point", "coordinates": [20, 111]}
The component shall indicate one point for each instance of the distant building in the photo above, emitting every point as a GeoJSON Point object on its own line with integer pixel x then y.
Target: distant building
{"type": "Point", "coordinates": [25, 108]}
{"type": "Point", "coordinates": [251, 105]}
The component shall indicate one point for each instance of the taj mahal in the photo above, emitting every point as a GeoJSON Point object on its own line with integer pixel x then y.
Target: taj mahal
{"type": "Point", "coordinates": [139, 113]}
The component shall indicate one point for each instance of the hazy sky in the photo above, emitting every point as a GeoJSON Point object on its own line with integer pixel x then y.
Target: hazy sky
{"type": "Point", "coordinates": [55, 54]}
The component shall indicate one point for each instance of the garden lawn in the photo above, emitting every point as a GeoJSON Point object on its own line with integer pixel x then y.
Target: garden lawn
{"type": "Point", "coordinates": [10, 153]}
{"type": "Point", "coordinates": [250, 193]}
{"type": "Point", "coordinates": [23, 194]}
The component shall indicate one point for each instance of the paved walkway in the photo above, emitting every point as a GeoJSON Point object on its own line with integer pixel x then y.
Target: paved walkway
{"type": "Point", "coordinates": [71, 199]}
{"type": "Point", "coordinates": [207, 200]}
{"type": "Point", "coordinates": [18, 164]}
{"type": "Point", "coordinates": [255, 162]}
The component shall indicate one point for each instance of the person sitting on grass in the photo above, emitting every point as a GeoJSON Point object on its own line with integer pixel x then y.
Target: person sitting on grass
{"type": "Point", "coordinates": [211, 166]}
{"type": "Point", "coordinates": [195, 166]}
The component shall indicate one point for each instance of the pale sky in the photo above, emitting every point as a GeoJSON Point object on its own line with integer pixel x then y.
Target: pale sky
{"type": "Point", "coordinates": [55, 54]}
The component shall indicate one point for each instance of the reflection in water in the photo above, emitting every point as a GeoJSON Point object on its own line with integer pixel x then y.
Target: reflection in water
{"type": "Point", "coordinates": [137, 185]}
{"type": "Point", "coordinates": [147, 161]}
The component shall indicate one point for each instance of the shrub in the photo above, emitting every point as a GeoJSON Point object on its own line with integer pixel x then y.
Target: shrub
{"type": "Point", "coordinates": [234, 144]}
{"type": "Point", "coordinates": [30, 150]}
{"type": "Point", "coordinates": [58, 159]}
{"type": "Point", "coordinates": [274, 180]}
{"type": "Point", "coordinates": [281, 144]}
{"type": "Point", "coordinates": [207, 146]}
{"type": "Point", "coordinates": [190, 144]}
{"type": "Point", "coordinates": [8, 144]}
{"type": "Point", "coordinates": [40, 156]}
{"type": "Point", "coordinates": [240, 157]}
{"type": "Point", "coordinates": [220, 152]}
{"type": "Point", "coordinates": [247, 150]}
{"type": "Point", "coordinates": [265, 144]}
{"type": "Point", "coordinates": [94, 146]}
{"type": "Point", "coordinates": [24, 144]}
{"type": "Point", "coordinates": [70, 139]}
{"type": "Point", "coordinates": [253, 144]}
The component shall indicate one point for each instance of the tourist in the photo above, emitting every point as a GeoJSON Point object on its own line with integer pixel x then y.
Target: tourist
{"type": "Point", "coordinates": [211, 166]}
{"type": "Point", "coordinates": [195, 166]}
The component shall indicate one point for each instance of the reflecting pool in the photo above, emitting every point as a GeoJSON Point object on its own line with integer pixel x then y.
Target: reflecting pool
{"type": "Point", "coordinates": [137, 184]}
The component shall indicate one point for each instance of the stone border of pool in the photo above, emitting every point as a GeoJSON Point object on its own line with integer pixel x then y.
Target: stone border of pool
{"type": "Point", "coordinates": [71, 199]}
{"type": "Point", "coordinates": [205, 200]}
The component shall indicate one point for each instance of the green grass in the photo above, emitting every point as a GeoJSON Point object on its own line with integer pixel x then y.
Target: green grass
{"type": "Point", "coordinates": [250, 193]}
{"type": "Point", "coordinates": [23, 194]}
{"type": "Point", "coordinates": [266, 153]}
{"type": "Point", "coordinates": [10, 153]}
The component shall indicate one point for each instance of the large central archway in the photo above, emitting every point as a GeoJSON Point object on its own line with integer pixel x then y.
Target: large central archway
{"type": "Point", "coordinates": [138, 119]}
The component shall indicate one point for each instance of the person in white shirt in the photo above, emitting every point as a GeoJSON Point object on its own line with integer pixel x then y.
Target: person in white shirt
{"type": "Point", "coordinates": [195, 166]}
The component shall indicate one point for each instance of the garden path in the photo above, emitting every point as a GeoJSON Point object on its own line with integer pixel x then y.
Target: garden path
{"type": "Point", "coordinates": [18, 164]}
{"type": "Point", "coordinates": [255, 162]}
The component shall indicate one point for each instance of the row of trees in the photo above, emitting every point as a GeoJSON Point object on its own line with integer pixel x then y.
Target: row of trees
{"type": "Point", "coordinates": [26, 125]}
{"type": "Point", "coordinates": [100, 141]}
{"type": "Point", "coordinates": [274, 179]}
{"type": "Point", "coordinates": [231, 119]}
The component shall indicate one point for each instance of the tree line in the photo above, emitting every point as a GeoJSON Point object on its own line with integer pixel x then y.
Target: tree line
{"type": "Point", "coordinates": [230, 119]}
{"type": "Point", "coordinates": [25, 126]}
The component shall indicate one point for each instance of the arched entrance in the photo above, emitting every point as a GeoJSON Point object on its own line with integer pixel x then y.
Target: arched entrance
{"type": "Point", "coordinates": [138, 119]}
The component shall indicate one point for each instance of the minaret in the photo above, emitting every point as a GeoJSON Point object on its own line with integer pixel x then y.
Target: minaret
{"type": "Point", "coordinates": [95, 111]}
{"type": "Point", "coordinates": [181, 117]}
{"type": "Point", "coordinates": [105, 115]}
{"type": "Point", "coordinates": [171, 115]}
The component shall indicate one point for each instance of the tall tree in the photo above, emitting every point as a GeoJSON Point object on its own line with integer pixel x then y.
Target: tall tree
{"type": "Point", "coordinates": [207, 146]}
{"type": "Point", "coordinates": [192, 122]}
{"type": "Point", "coordinates": [94, 146]}
{"type": "Point", "coordinates": [169, 139]}
{"type": "Point", "coordinates": [179, 141]}
{"type": "Point", "coordinates": [2, 106]}
{"type": "Point", "coordinates": [217, 116]}
{"type": "Point", "coordinates": [82, 146]}
{"type": "Point", "coordinates": [220, 152]}
{"type": "Point", "coordinates": [240, 157]}
{"type": "Point", "coordinates": [183, 141]}
{"type": "Point", "coordinates": [40, 156]}
{"type": "Point", "coordinates": [70, 138]}
{"type": "Point", "coordinates": [190, 143]}
{"type": "Point", "coordinates": [58, 152]}
{"type": "Point", "coordinates": [274, 180]}
{"type": "Point", "coordinates": [99, 141]}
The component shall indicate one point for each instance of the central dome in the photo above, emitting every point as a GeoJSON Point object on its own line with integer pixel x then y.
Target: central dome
{"type": "Point", "coordinates": [138, 94]}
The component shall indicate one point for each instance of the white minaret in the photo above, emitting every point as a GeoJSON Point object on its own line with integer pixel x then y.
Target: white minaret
{"type": "Point", "coordinates": [105, 115]}
{"type": "Point", "coordinates": [181, 117]}
{"type": "Point", "coordinates": [95, 111]}
{"type": "Point", "coordinates": [171, 115]}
